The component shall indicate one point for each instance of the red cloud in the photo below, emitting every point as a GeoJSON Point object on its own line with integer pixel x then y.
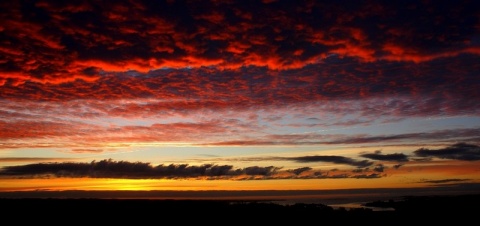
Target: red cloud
{"type": "Point", "coordinates": [88, 60]}
{"type": "Point", "coordinates": [71, 38]}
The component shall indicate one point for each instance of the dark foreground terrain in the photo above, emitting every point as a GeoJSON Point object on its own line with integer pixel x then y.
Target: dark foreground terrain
{"type": "Point", "coordinates": [457, 210]}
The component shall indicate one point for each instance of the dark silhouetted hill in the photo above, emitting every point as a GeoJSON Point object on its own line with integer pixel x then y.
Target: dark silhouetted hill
{"type": "Point", "coordinates": [426, 209]}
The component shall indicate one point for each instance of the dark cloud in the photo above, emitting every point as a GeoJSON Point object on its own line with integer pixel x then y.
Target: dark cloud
{"type": "Point", "coordinates": [397, 166]}
{"type": "Point", "coordinates": [185, 170]}
{"type": "Point", "coordinates": [399, 157]}
{"type": "Point", "coordinates": [379, 168]}
{"type": "Point", "coordinates": [332, 159]}
{"type": "Point", "coordinates": [298, 171]}
{"type": "Point", "coordinates": [257, 170]}
{"type": "Point", "coordinates": [360, 170]}
{"type": "Point", "coordinates": [141, 170]}
{"type": "Point", "coordinates": [458, 151]}
{"type": "Point", "coordinates": [445, 181]}
{"type": "Point", "coordinates": [125, 169]}
{"type": "Point", "coordinates": [302, 159]}
{"type": "Point", "coordinates": [368, 176]}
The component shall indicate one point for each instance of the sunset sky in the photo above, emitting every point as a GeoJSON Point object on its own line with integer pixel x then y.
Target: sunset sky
{"type": "Point", "coordinates": [239, 95]}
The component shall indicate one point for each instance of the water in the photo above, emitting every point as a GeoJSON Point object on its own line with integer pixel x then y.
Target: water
{"type": "Point", "coordinates": [356, 205]}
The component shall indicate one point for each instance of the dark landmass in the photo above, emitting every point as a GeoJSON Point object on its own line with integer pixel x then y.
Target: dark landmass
{"type": "Point", "coordinates": [437, 204]}
{"type": "Point", "coordinates": [428, 209]}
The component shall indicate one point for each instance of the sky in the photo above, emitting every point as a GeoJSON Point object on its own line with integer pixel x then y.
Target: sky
{"type": "Point", "coordinates": [239, 95]}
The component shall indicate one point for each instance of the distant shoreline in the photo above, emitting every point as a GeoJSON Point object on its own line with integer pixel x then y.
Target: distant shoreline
{"type": "Point", "coordinates": [347, 198]}
{"type": "Point", "coordinates": [328, 197]}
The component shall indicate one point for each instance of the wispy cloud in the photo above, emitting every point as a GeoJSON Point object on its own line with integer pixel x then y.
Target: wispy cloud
{"type": "Point", "coordinates": [459, 151]}
{"type": "Point", "coordinates": [446, 181]}
{"type": "Point", "coordinates": [32, 159]}
{"type": "Point", "coordinates": [377, 155]}
{"type": "Point", "coordinates": [87, 150]}
{"type": "Point", "coordinates": [332, 159]}
{"type": "Point", "coordinates": [335, 139]}
{"type": "Point", "coordinates": [298, 171]}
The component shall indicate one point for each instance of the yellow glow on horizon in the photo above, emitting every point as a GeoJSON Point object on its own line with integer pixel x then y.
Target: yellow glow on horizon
{"type": "Point", "coordinates": [94, 184]}
{"type": "Point", "coordinates": [410, 175]}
